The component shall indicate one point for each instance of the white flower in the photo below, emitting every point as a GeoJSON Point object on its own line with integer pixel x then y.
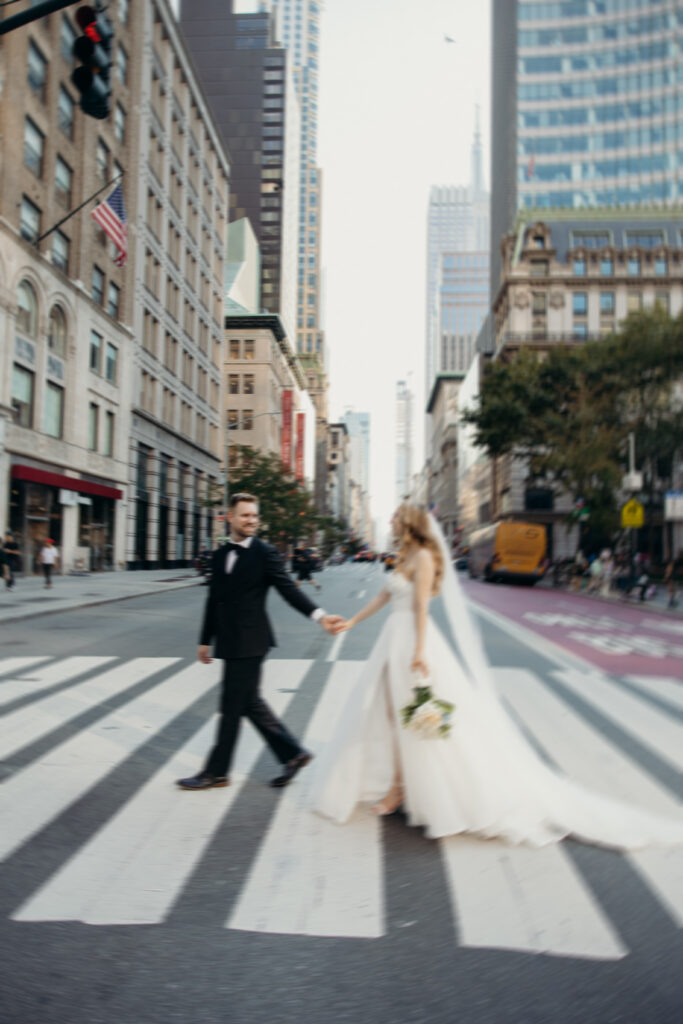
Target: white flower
{"type": "Point", "coordinates": [427, 720]}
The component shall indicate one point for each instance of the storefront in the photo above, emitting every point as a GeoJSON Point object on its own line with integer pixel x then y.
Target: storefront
{"type": "Point", "coordinates": [78, 515]}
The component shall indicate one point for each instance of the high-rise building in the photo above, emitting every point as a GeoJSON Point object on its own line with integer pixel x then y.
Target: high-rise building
{"type": "Point", "coordinates": [586, 108]}
{"type": "Point", "coordinates": [246, 77]}
{"type": "Point", "coordinates": [358, 426]}
{"type": "Point", "coordinates": [458, 222]}
{"type": "Point", "coordinates": [463, 303]}
{"type": "Point", "coordinates": [299, 30]}
{"type": "Point", "coordinates": [404, 440]}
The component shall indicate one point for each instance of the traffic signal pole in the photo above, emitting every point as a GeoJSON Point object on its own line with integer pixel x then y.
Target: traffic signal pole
{"type": "Point", "coordinates": [33, 13]}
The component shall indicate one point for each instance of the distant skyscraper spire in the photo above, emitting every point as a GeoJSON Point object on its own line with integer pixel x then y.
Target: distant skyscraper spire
{"type": "Point", "coordinates": [477, 171]}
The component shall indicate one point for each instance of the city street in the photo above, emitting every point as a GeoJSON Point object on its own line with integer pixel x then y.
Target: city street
{"type": "Point", "coordinates": [127, 901]}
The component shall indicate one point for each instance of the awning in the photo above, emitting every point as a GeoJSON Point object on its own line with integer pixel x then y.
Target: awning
{"type": "Point", "coordinates": [69, 483]}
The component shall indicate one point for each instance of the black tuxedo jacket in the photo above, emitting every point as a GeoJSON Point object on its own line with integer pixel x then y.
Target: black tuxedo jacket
{"type": "Point", "coordinates": [235, 615]}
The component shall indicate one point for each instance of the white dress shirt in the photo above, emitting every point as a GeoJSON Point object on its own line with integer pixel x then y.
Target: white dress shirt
{"type": "Point", "coordinates": [316, 615]}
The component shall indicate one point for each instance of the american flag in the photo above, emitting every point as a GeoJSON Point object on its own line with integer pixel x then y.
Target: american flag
{"type": "Point", "coordinates": [111, 216]}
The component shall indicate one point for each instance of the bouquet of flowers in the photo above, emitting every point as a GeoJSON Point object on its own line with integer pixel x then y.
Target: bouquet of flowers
{"type": "Point", "coordinates": [427, 715]}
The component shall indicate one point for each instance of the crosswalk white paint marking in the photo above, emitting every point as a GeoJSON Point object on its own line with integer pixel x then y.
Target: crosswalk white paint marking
{"type": "Point", "coordinates": [670, 690]}
{"type": "Point", "coordinates": [35, 796]}
{"type": "Point", "coordinates": [312, 877]}
{"type": "Point", "coordinates": [17, 666]}
{"type": "Point", "coordinates": [29, 723]}
{"type": "Point", "coordinates": [334, 650]}
{"type": "Point", "coordinates": [42, 678]}
{"type": "Point", "coordinates": [531, 900]}
{"type": "Point", "coordinates": [652, 727]}
{"type": "Point", "coordinates": [132, 870]}
{"type": "Point", "coordinates": [586, 756]}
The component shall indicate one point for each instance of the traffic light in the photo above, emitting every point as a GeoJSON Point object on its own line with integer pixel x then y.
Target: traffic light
{"type": "Point", "coordinates": [93, 52]}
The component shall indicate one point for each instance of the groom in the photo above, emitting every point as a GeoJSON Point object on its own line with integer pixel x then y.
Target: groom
{"type": "Point", "coordinates": [235, 616]}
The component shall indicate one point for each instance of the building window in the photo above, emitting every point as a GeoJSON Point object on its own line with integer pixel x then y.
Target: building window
{"type": "Point", "coordinates": [113, 298]}
{"type": "Point", "coordinates": [93, 411]}
{"type": "Point", "coordinates": [633, 266]}
{"type": "Point", "coordinates": [22, 396]}
{"type": "Point", "coordinates": [233, 384]}
{"type": "Point", "coordinates": [56, 332]}
{"type": "Point", "coordinates": [68, 38]}
{"type": "Point", "coordinates": [111, 362]}
{"type": "Point", "coordinates": [248, 384]}
{"type": "Point", "coordinates": [539, 302]}
{"type": "Point", "coordinates": [539, 268]}
{"type": "Point", "coordinates": [120, 123]}
{"type": "Point", "coordinates": [30, 220]}
{"type": "Point", "coordinates": [27, 311]}
{"type": "Point", "coordinates": [634, 302]}
{"type": "Point", "coordinates": [606, 266]}
{"type": "Point", "coordinates": [661, 266]}
{"type": "Point", "coordinates": [249, 350]}
{"type": "Point", "coordinates": [97, 285]}
{"type": "Point", "coordinates": [34, 145]}
{"type": "Point", "coordinates": [662, 300]}
{"type": "Point", "coordinates": [580, 331]}
{"type": "Point", "coordinates": [122, 65]}
{"type": "Point", "coordinates": [54, 410]}
{"type": "Point", "coordinates": [102, 162]}
{"type": "Point", "coordinates": [579, 267]}
{"type": "Point", "coordinates": [233, 419]}
{"type": "Point", "coordinates": [63, 181]}
{"type": "Point", "coordinates": [123, 6]}
{"type": "Point", "coordinates": [247, 419]}
{"type": "Point", "coordinates": [37, 70]}
{"type": "Point", "coordinates": [60, 252]}
{"type": "Point", "coordinates": [580, 303]}
{"type": "Point", "coordinates": [606, 302]}
{"type": "Point", "coordinates": [65, 113]}
{"type": "Point", "coordinates": [234, 349]}
{"type": "Point", "coordinates": [108, 439]}
{"type": "Point", "coordinates": [95, 351]}
{"type": "Point", "coordinates": [538, 242]}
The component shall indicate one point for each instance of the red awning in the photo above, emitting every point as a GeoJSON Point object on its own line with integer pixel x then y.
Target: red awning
{"type": "Point", "coordinates": [69, 483]}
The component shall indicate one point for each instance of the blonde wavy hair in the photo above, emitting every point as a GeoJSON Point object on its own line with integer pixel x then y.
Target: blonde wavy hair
{"type": "Point", "coordinates": [414, 528]}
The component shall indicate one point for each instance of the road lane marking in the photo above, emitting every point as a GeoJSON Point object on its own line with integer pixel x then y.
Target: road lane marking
{"type": "Point", "coordinates": [333, 652]}
{"type": "Point", "coordinates": [29, 723]}
{"type": "Point", "coordinates": [17, 666]}
{"type": "Point", "coordinates": [581, 751]}
{"type": "Point", "coordinates": [670, 690]}
{"type": "Point", "coordinates": [51, 675]}
{"type": "Point", "coordinates": [650, 726]}
{"type": "Point", "coordinates": [529, 900]}
{"type": "Point", "coordinates": [312, 877]}
{"type": "Point", "coordinates": [133, 868]}
{"type": "Point", "coordinates": [39, 793]}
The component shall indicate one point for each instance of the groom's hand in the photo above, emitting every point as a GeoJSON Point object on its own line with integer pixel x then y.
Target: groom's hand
{"type": "Point", "coordinates": [203, 654]}
{"type": "Point", "coordinates": [331, 623]}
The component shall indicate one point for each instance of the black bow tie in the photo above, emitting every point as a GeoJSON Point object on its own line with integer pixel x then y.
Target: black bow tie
{"type": "Point", "coordinates": [237, 548]}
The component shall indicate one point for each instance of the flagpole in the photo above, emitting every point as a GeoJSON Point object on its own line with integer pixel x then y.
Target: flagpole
{"type": "Point", "coordinates": [85, 202]}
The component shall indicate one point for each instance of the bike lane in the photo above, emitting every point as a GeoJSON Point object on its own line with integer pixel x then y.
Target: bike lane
{"type": "Point", "coordinates": [616, 638]}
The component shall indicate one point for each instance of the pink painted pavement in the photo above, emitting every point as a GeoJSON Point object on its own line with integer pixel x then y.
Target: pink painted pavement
{"type": "Point", "coordinates": [618, 638]}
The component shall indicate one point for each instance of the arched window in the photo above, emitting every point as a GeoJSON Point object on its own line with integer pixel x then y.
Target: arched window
{"type": "Point", "coordinates": [56, 334]}
{"type": "Point", "coordinates": [27, 317]}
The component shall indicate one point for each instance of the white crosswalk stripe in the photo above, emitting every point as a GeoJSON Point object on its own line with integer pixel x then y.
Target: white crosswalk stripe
{"type": "Point", "coordinates": [25, 683]}
{"type": "Point", "coordinates": [311, 877]}
{"type": "Point", "coordinates": [670, 690]}
{"type": "Point", "coordinates": [10, 667]}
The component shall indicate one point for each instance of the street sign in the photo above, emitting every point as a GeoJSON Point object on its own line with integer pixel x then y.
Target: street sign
{"type": "Point", "coordinates": [673, 505]}
{"type": "Point", "coordinates": [632, 513]}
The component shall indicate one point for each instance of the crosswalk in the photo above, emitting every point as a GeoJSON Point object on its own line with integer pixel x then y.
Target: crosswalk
{"type": "Point", "coordinates": [68, 725]}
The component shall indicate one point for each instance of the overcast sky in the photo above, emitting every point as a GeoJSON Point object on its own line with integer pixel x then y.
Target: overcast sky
{"type": "Point", "coordinates": [397, 113]}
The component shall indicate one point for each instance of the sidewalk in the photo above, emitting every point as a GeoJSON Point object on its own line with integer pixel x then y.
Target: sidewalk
{"type": "Point", "coordinates": [658, 603]}
{"type": "Point", "coordinates": [29, 598]}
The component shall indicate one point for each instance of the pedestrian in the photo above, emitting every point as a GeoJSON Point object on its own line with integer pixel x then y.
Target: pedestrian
{"type": "Point", "coordinates": [595, 575]}
{"type": "Point", "coordinates": [235, 619]}
{"type": "Point", "coordinates": [671, 584]}
{"type": "Point", "coordinates": [48, 558]}
{"type": "Point", "coordinates": [11, 549]}
{"type": "Point", "coordinates": [607, 572]}
{"type": "Point", "coordinates": [304, 568]}
{"type": "Point", "coordinates": [4, 568]}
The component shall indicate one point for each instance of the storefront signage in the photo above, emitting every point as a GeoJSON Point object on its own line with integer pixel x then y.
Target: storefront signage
{"type": "Point", "coordinates": [67, 497]}
{"type": "Point", "coordinates": [673, 506]}
{"type": "Point", "coordinates": [25, 350]}
{"type": "Point", "coordinates": [286, 453]}
{"type": "Point", "coordinates": [299, 454]}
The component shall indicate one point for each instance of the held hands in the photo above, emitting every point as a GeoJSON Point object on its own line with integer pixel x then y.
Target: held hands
{"type": "Point", "coordinates": [333, 624]}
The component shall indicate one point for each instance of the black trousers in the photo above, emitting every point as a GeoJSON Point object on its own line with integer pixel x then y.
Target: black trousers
{"type": "Point", "coordinates": [240, 698]}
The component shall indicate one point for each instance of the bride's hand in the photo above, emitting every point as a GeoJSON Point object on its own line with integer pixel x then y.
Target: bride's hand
{"type": "Point", "coordinates": [418, 664]}
{"type": "Point", "coordinates": [342, 627]}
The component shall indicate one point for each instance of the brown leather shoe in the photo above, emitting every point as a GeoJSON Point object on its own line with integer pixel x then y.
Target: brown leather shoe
{"type": "Point", "coordinates": [205, 780]}
{"type": "Point", "coordinates": [291, 768]}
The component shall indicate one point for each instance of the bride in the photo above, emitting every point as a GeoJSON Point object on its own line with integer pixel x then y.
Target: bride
{"type": "Point", "coordinates": [483, 777]}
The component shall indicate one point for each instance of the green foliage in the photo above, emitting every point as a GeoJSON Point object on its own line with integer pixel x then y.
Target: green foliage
{"type": "Point", "coordinates": [569, 412]}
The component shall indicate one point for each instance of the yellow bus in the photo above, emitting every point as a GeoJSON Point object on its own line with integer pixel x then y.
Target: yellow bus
{"type": "Point", "coordinates": [515, 552]}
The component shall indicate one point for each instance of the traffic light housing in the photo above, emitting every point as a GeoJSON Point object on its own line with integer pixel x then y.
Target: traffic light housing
{"type": "Point", "coordinates": [93, 52]}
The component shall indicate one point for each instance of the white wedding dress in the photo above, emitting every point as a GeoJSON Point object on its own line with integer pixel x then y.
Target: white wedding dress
{"type": "Point", "coordinates": [483, 778]}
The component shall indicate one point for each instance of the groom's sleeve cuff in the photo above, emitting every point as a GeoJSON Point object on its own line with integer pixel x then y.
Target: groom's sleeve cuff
{"type": "Point", "coordinates": [318, 614]}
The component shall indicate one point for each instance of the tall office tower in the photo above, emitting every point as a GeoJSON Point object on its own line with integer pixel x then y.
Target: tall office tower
{"type": "Point", "coordinates": [586, 107]}
{"type": "Point", "coordinates": [299, 29]}
{"type": "Point", "coordinates": [458, 222]}
{"type": "Point", "coordinates": [245, 76]}
{"type": "Point", "coordinates": [358, 426]}
{"type": "Point", "coordinates": [463, 303]}
{"type": "Point", "coordinates": [404, 440]}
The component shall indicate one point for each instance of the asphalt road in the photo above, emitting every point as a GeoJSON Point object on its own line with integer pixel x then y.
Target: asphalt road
{"type": "Point", "coordinates": [124, 900]}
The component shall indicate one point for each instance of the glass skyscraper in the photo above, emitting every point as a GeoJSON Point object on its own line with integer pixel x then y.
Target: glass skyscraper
{"type": "Point", "coordinates": [587, 107]}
